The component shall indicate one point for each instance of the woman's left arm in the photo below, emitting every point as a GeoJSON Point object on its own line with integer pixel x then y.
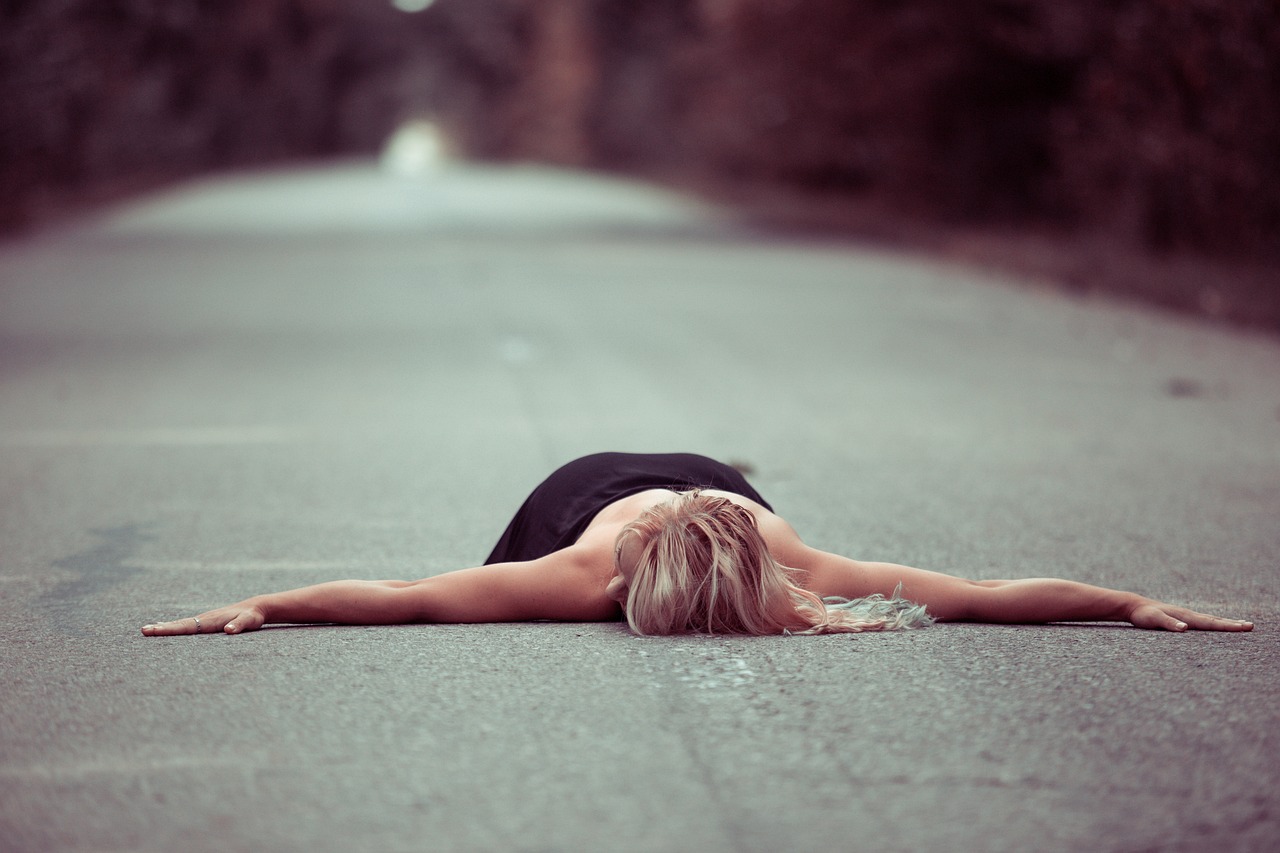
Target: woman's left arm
{"type": "Point", "coordinates": [1031, 600]}
{"type": "Point", "coordinates": [1057, 600]}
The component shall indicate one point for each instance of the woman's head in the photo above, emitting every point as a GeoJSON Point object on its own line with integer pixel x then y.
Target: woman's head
{"type": "Point", "coordinates": [698, 563]}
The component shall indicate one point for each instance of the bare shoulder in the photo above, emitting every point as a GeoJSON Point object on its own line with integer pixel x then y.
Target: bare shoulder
{"type": "Point", "coordinates": [784, 542]}
{"type": "Point", "coordinates": [584, 567]}
{"type": "Point", "coordinates": [566, 585]}
{"type": "Point", "coordinates": [577, 578]}
{"type": "Point", "coordinates": [816, 570]}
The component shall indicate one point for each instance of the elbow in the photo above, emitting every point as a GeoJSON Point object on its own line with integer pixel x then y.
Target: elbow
{"type": "Point", "coordinates": [406, 603]}
{"type": "Point", "coordinates": [968, 601]}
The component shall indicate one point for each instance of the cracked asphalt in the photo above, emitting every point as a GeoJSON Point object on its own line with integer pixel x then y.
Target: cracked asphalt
{"type": "Point", "coordinates": [261, 381]}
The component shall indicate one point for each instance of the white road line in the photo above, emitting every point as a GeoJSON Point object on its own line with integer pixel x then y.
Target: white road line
{"type": "Point", "coordinates": [180, 436]}
{"type": "Point", "coordinates": [129, 766]}
{"type": "Point", "coordinates": [240, 565]}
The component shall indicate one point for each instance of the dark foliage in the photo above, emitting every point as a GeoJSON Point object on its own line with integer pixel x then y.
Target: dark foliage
{"type": "Point", "coordinates": [100, 93]}
{"type": "Point", "coordinates": [1153, 122]}
{"type": "Point", "coordinates": [1155, 119]}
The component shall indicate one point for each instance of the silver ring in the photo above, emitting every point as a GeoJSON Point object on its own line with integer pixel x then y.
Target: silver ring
{"type": "Point", "coordinates": [197, 618]}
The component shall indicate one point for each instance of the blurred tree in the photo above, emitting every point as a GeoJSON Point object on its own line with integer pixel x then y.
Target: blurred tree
{"type": "Point", "coordinates": [100, 93]}
{"type": "Point", "coordinates": [1152, 118]}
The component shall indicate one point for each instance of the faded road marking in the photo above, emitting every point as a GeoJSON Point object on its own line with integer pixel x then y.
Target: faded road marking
{"type": "Point", "coordinates": [187, 436]}
{"type": "Point", "coordinates": [121, 766]}
{"type": "Point", "coordinates": [240, 565]}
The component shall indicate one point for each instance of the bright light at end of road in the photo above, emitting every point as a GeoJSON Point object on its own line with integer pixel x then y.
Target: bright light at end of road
{"type": "Point", "coordinates": [411, 5]}
{"type": "Point", "coordinates": [416, 148]}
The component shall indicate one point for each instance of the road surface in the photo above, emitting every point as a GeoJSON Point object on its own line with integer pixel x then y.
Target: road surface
{"type": "Point", "coordinates": [268, 380]}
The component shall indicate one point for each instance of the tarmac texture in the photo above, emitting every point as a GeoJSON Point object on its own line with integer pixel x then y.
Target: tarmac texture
{"type": "Point", "coordinates": [265, 381]}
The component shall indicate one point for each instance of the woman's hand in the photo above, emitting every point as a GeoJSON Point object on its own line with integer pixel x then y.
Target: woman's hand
{"type": "Point", "coordinates": [1159, 616]}
{"type": "Point", "coordinates": [235, 619]}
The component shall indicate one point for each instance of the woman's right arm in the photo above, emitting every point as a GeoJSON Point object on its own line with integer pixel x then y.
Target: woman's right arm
{"type": "Point", "coordinates": [563, 586]}
{"type": "Point", "coordinates": [348, 602]}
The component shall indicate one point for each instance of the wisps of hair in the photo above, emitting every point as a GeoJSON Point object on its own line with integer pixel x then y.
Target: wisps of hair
{"type": "Point", "coordinates": [872, 613]}
{"type": "Point", "coordinates": [703, 567]}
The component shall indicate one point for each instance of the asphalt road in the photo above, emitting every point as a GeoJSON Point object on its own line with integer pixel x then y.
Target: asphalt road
{"type": "Point", "coordinates": [258, 383]}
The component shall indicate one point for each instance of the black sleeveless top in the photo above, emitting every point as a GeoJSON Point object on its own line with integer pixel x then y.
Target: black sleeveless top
{"type": "Point", "coordinates": [557, 512]}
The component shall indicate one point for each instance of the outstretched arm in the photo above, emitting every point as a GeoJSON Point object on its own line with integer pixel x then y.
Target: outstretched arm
{"type": "Point", "coordinates": [1032, 600]}
{"type": "Point", "coordinates": [562, 586]}
{"type": "Point", "coordinates": [349, 602]}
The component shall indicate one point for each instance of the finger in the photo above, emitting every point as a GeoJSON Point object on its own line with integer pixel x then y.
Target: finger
{"type": "Point", "coordinates": [244, 619]}
{"type": "Point", "coordinates": [1157, 618]}
{"type": "Point", "coordinates": [1205, 622]}
{"type": "Point", "coordinates": [1164, 615]}
{"type": "Point", "coordinates": [174, 628]}
{"type": "Point", "coordinates": [1153, 618]}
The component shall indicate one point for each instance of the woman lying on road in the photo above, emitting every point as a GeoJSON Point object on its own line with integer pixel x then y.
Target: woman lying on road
{"type": "Point", "coordinates": [679, 543]}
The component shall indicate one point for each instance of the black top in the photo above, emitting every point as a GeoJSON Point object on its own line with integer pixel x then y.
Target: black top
{"type": "Point", "coordinates": [557, 512]}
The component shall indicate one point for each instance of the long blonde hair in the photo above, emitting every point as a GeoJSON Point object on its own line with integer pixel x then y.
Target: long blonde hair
{"type": "Point", "coordinates": [703, 567]}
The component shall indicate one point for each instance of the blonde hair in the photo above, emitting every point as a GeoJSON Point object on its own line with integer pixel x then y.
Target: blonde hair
{"type": "Point", "coordinates": [703, 567]}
